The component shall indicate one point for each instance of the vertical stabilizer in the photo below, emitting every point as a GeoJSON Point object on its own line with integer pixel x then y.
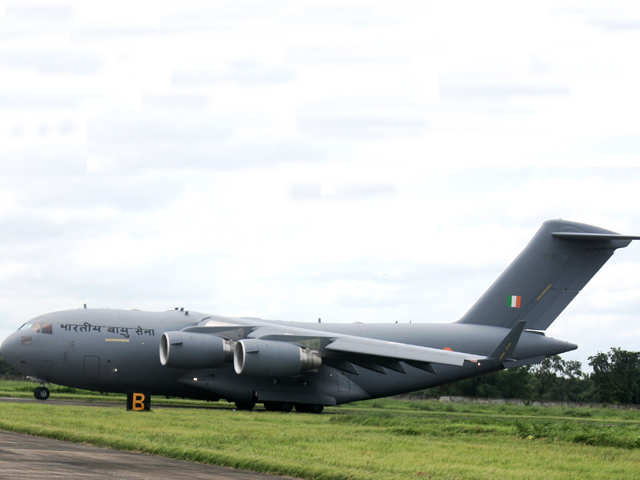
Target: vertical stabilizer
{"type": "Point", "coordinates": [552, 269]}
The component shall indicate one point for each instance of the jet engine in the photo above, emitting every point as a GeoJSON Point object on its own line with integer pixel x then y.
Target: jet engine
{"type": "Point", "coordinates": [265, 358]}
{"type": "Point", "coordinates": [194, 350]}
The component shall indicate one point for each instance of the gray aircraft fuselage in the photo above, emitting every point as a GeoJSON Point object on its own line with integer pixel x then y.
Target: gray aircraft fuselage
{"type": "Point", "coordinates": [249, 360]}
{"type": "Point", "coordinates": [89, 356]}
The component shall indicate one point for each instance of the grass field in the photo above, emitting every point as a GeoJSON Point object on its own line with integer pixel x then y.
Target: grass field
{"type": "Point", "coordinates": [24, 389]}
{"type": "Point", "coordinates": [381, 439]}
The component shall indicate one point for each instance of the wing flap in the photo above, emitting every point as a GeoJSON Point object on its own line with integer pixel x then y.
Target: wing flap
{"type": "Point", "coordinates": [400, 351]}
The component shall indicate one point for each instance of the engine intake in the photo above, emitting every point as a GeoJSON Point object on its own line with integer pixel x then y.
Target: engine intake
{"type": "Point", "coordinates": [194, 350]}
{"type": "Point", "coordinates": [266, 358]}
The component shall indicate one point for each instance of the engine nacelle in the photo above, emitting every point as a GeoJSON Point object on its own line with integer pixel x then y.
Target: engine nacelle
{"type": "Point", "coordinates": [266, 358]}
{"type": "Point", "coordinates": [194, 350]}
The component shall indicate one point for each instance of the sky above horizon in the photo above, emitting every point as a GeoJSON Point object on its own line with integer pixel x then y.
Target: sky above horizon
{"type": "Point", "coordinates": [355, 161]}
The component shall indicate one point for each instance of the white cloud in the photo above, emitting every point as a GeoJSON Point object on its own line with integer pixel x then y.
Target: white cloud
{"type": "Point", "coordinates": [356, 161]}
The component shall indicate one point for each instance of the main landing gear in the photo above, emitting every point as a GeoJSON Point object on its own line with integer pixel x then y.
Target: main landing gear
{"type": "Point", "coordinates": [282, 406]}
{"type": "Point", "coordinates": [309, 407]}
{"type": "Point", "coordinates": [41, 393]}
{"type": "Point", "coordinates": [278, 406]}
{"type": "Point", "coordinates": [287, 407]}
{"type": "Point", "coordinates": [246, 405]}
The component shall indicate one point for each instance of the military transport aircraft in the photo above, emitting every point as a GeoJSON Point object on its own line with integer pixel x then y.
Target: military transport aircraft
{"type": "Point", "coordinates": [309, 365]}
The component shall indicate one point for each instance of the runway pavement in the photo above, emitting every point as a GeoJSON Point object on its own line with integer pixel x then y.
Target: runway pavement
{"type": "Point", "coordinates": [27, 457]}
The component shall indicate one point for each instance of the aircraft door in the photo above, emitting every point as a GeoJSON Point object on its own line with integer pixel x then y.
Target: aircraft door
{"type": "Point", "coordinates": [91, 367]}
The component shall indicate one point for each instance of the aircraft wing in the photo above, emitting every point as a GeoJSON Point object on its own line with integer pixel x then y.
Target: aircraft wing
{"type": "Point", "coordinates": [228, 328]}
{"type": "Point", "coordinates": [358, 345]}
{"type": "Point", "coordinates": [400, 351]}
{"type": "Point", "coordinates": [343, 350]}
{"type": "Point", "coordinates": [349, 347]}
{"type": "Point", "coordinates": [229, 332]}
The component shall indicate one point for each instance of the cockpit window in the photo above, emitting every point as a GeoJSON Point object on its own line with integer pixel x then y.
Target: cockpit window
{"type": "Point", "coordinates": [43, 328]}
{"type": "Point", "coordinates": [38, 327]}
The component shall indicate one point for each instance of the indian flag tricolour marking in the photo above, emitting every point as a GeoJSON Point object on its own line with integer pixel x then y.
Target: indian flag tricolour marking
{"type": "Point", "coordinates": [514, 301]}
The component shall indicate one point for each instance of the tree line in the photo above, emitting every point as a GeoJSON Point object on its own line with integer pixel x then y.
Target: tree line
{"type": "Point", "coordinates": [615, 378]}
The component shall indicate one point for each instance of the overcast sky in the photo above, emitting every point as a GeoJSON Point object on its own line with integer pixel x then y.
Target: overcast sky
{"type": "Point", "coordinates": [355, 161]}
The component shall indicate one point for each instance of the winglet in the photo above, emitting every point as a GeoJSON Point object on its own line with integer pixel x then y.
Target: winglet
{"type": "Point", "coordinates": [509, 342]}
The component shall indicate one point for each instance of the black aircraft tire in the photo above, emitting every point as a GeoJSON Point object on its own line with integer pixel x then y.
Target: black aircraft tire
{"type": "Point", "coordinates": [41, 393]}
{"type": "Point", "coordinates": [309, 407]}
{"type": "Point", "coordinates": [245, 405]}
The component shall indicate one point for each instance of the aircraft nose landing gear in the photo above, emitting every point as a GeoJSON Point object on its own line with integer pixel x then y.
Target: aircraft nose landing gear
{"type": "Point", "coordinates": [41, 393]}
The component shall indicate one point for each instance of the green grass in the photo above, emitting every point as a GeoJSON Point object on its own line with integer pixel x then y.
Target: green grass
{"type": "Point", "coordinates": [24, 389]}
{"type": "Point", "coordinates": [381, 439]}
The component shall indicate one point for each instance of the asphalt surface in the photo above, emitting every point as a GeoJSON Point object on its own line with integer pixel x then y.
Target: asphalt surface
{"type": "Point", "coordinates": [28, 457]}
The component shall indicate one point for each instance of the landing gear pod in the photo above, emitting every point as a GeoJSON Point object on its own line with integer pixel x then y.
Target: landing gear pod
{"type": "Point", "coordinates": [194, 350]}
{"type": "Point", "coordinates": [265, 358]}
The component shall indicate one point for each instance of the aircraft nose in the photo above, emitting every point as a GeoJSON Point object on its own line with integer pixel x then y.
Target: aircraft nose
{"type": "Point", "coordinates": [3, 346]}
{"type": "Point", "coordinates": [7, 349]}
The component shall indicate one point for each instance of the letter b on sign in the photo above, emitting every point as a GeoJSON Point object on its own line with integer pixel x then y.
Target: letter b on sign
{"type": "Point", "coordinates": [138, 401]}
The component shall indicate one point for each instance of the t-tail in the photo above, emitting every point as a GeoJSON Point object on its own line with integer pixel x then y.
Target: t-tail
{"type": "Point", "coordinates": [552, 269]}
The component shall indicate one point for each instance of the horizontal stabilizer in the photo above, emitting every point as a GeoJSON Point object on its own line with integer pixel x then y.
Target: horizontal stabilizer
{"type": "Point", "coordinates": [593, 236]}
